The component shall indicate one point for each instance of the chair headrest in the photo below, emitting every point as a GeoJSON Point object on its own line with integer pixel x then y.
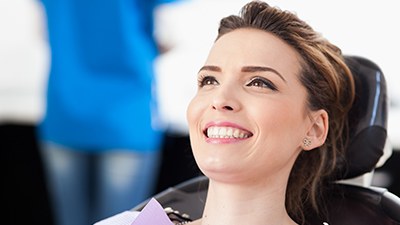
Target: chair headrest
{"type": "Point", "coordinates": [367, 118]}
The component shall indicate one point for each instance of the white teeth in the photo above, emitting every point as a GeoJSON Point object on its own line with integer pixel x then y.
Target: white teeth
{"type": "Point", "coordinates": [226, 132]}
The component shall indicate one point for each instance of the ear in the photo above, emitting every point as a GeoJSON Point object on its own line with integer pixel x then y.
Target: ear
{"type": "Point", "coordinates": [318, 130]}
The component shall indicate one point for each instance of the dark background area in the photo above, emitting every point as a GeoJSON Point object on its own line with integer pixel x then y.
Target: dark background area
{"type": "Point", "coordinates": [24, 193]}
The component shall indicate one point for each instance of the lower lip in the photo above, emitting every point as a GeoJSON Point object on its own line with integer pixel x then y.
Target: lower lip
{"type": "Point", "coordinates": [224, 140]}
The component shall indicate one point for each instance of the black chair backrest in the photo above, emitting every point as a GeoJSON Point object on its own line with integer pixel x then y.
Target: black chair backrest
{"type": "Point", "coordinates": [367, 118]}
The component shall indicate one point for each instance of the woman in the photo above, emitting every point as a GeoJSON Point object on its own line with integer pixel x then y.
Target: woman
{"type": "Point", "coordinates": [269, 92]}
{"type": "Point", "coordinates": [268, 123]}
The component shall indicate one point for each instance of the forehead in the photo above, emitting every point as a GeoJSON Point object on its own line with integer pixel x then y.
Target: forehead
{"type": "Point", "coordinates": [248, 46]}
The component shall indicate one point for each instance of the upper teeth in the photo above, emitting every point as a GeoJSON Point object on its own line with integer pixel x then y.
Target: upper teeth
{"type": "Point", "coordinates": [226, 132]}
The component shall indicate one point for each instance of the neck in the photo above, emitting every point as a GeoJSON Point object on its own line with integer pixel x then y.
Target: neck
{"type": "Point", "coordinates": [233, 204]}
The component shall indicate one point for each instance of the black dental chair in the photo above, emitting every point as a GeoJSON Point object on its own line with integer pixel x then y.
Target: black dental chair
{"type": "Point", "coordinates": [348, 203]}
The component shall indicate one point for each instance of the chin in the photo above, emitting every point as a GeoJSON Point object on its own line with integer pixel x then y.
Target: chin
{"type": "Point", "coordinates": [221, 172]}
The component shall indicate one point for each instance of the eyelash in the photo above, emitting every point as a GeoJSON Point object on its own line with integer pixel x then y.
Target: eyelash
{"type": "Point", "coordinates": [201, 81]}
{"type": "Point", "coordinates": [262, 82]}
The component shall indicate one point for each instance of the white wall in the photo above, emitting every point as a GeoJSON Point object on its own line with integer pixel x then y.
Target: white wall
{"type": "Point", "coordinates": [24, 59]}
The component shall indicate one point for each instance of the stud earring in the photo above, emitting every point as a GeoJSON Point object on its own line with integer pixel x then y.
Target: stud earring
{"type": "Point", "coordinates": [306, 142]}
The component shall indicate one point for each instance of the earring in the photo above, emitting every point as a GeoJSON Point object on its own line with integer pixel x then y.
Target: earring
{"type": "Point", "coordinates": [306, 142]}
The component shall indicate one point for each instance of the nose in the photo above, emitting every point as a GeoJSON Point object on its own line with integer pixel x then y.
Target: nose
{"type": "Point", "coordinates": [225, 100]}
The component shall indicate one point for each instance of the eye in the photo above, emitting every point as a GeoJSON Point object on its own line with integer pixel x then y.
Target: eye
{"type": "Point", "coordinates": [262, 82]}
{"type": "Point", "coordinates": [207, 80]}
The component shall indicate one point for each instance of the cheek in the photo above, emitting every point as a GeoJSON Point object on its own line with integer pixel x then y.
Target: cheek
{"type": "Point", "coordinates": [282, 124]}
{"type": "Point", "coordinates": [193, 112]}
{"type": "Point", "coordinates": [278, 143]}
{"type": "Point", "coordinates": [272, 115]}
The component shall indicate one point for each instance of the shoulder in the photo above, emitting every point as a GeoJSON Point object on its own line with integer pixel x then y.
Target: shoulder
{"type": "Point", "coordinates": [124, 218]}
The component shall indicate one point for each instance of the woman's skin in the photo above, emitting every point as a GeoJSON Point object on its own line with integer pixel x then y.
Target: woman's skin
{"type": "Point", "coordinates": [253, 107]}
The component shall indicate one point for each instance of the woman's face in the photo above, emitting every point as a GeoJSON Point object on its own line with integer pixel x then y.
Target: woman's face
{"type": "Point", "coordinates": [249, 117]}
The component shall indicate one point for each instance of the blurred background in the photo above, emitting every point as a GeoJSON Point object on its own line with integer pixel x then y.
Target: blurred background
{"type": "Point", "coordinates": [186, 30]}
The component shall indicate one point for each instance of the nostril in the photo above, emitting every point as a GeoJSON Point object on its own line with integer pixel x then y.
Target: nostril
{"type": "Point", "coordinates": [228, 107]}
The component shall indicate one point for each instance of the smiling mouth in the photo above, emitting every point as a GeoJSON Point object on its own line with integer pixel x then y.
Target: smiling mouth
{"type": "Point", "coordinates": [226, 132]}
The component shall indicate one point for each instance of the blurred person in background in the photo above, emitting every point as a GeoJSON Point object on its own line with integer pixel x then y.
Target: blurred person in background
{"type": "Point", "coordinates": [99, 135]}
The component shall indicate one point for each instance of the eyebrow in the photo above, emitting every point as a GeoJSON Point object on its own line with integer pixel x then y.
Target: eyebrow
{"type": "Point", "coordinates": [246, 69]}
{"type": "Point", "coordinates": [211, 68]}
{"type": "Point", "coordinates": [253, 69]}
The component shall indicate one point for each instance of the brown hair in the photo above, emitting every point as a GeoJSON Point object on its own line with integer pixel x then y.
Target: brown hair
{"type": "Point", "coordinates": [330, 86]}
